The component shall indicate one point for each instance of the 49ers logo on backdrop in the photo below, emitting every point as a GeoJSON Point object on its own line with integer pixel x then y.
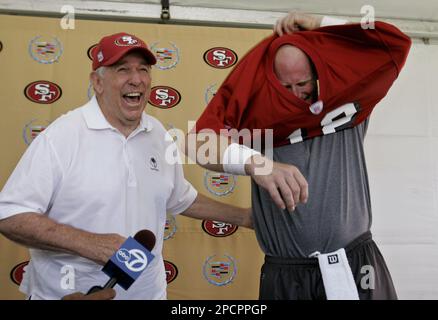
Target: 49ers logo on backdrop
{"type": "Point", "coordinates": [42, 91]}
{"type": "Point", "coordinates": [171, 271]}
{"type": "Point", "coordinates": [17, 272]}
{"type": "Point", "coordinates": [218, 229]}
{"type": "Point", "coordinates": [220, 57]}
{"type": "Point", "coordinates": [164, 97]}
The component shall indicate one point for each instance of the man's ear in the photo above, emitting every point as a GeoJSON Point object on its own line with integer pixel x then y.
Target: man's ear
{"type": "Point", "coordinates": [96, 82]}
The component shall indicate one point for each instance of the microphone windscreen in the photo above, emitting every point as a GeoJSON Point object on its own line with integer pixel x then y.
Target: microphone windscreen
{"type": "Point", "coordinates": [146, 238]}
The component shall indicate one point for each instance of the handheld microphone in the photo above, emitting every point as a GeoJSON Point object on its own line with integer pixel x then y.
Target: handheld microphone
{"type": "Point", "coordinates": [132, 258]}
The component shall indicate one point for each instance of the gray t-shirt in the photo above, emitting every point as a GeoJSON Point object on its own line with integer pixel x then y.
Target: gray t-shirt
{"type": "Point", "coordinates": [338, 209]}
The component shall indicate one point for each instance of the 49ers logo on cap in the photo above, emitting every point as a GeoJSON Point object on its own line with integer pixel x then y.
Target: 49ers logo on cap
{"type": "Point", "coordinates": [220, 57]}
{"type": "Point", "coordinates": [164, 97]}
{"type": "Point", "coordinates": [42, 91]}
{"type": "Point", "coordinates": [127, 41]}
{"type": "Point", "coordinates": [17, 272]}
{"type": "Point", "coordinates": [218, 229]}
{"type": "Point", "coordinates": [171, 271]}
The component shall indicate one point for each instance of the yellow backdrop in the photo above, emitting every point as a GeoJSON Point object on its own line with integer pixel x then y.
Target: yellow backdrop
{"type": "Point", "coordinates": [204, 262]}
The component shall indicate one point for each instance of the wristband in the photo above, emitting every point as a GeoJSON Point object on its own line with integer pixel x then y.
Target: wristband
{"type": "Point", "coordinates": [235, 157]}
{"type": "Point", "coordinates": [330, 21]}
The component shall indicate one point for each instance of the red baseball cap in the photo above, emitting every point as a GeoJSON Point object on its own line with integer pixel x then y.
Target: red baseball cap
{"type": "Point", "coordinates": [111, 49]}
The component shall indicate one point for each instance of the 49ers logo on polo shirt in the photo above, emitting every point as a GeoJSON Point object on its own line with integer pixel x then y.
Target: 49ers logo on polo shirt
{"type": "Point", "coordinates": [220, 57]}
{"type": "Point", "coordinates": [42, 91]}
{"type": "Point", "coordinates": [164, 97]}
{"type": "Point", "coordinates": [171, 271]}
{"type": "Point", "coordinates": [17, 272]}
{"type": "Point", "coordinates": [218, 229]}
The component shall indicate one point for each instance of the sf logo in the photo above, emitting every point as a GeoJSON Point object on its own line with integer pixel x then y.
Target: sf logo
{"type": "Point", "coordinates": [43, 91]}
{"type": "Point", "coordinates": [129, 40]}
{"type": "Point", "coordinates": [221, 57]}
{"type": "Point", "coordinates": [221, 227]}
{"type": "Point", "coordinates": [164, 96]}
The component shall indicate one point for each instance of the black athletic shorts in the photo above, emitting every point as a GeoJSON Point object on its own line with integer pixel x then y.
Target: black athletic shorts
{"type": "Point", "coordinates": [300, 278]}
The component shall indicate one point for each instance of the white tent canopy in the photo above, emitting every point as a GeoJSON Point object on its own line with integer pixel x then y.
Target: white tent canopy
{"type": "Point", "coordinates": [416, 18]}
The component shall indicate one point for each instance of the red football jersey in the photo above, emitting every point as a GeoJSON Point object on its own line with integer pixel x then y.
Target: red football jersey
{"type": "Point", "coordinates": [355, 68]}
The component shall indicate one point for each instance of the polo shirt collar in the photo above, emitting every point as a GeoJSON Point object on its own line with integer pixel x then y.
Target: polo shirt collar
{"type": "Point", "coordinates": [95, 119]}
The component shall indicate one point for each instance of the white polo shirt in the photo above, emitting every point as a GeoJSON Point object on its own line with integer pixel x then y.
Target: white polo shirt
{"type": "Point", "coordinates": [83, 172]}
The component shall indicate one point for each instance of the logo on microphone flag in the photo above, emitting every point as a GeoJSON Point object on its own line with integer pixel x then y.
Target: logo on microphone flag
{"type": "Point", "coordinates": [128, 262]}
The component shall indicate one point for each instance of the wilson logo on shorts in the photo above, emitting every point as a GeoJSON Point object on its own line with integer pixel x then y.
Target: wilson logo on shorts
{"type": "Point", "coordinates": [164, 97]}
{"type": "Point", "coordinates": [219, 270]}
{"type": "Point", "coordinates": [220, 57]}
{"type": "Point", "coordinates": [44, 92]}
{"type": "Point", "coordinates": [218, 229]}
{"type": "Point", "coordinates": [17, 272]}
{"type": "Point", "coordinates": [90, 51]}
{"type": "Point", "coordinates": [332, 259]}
{"type": "Point", "coordinates": [171, 271]}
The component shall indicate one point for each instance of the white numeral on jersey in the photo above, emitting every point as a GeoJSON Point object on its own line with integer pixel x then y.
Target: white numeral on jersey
{"type": "Point", "coordinates": [295, 136]}
{"type": "Point", "coordinates": [332, 120]}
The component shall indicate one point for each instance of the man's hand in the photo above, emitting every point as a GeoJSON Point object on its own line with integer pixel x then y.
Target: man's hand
{"type": "Point", "coordinates": [104, 246]}
{"type": "Point", "coordinates": [105, 294]}
{"type": "Point", "coordinates": [296, 21]}
{"type": "Point", "coordinates": [285, 183]}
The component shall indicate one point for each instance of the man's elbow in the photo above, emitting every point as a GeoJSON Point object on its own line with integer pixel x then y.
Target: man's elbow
{"type": "Point", "coordinates": [6, 225]}
{"type": "Point", "coordinates": [8, 228]}
{"type": "Point", "coordinates": [11, 226]}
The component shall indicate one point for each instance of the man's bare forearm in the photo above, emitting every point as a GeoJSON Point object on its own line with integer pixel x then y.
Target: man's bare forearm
{"type": "Point", "coordinates": [38, 231]}
{"type": "Point", "coordinates": [208, 209]}
{"type": "Point", "coordinates": [209, 158]}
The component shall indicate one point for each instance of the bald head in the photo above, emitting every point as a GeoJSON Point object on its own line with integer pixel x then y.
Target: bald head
{"type": "Point", "coordinates": [294, 71]}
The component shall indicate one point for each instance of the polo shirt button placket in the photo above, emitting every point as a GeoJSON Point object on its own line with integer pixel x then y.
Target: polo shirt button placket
{"type": "Point", "coordinates": [132, 182]}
